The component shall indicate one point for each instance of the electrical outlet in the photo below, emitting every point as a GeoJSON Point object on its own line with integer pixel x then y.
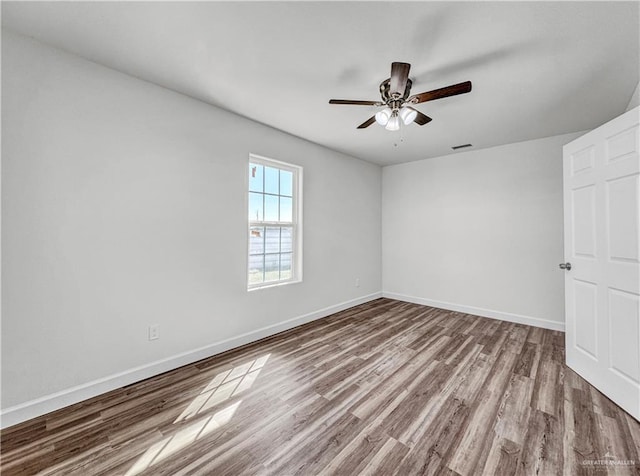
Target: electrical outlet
{"type": "Point", "coordinates": [357, 282]}
{"type": "Point", "coordinates": [154, 331]}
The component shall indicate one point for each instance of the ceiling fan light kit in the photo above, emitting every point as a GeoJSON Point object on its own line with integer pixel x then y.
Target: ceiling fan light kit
{"type": "Point", "coordinates": [394, 122]}
{"type": "Point", "coordinates": [395, 99]}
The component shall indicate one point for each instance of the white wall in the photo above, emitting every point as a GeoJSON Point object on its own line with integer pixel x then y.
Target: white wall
{"type": "Point", "coordinates": [124, 205]}
{"type": "Point", "coordinates": [635, 99]}
{"type": "Point", "coordinates": [480, 231]}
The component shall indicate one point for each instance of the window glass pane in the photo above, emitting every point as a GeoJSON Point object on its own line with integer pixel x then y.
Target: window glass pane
{"type": "Point", "coordinates": [255, 206]}
{"type": "Point", "coordinates": [286, 209]}
{"type": "Point", "coordinates": [255, 177]}
{"type": "Point", "coordinates": [256, 240]}
{"type": "Point", "coordinates": [285, 266]}
{"type": "Point", "coordinates": [286, 183]}
{"type": "Point", "coordinates": [256, 269]}
{"type": "Point", "coordinates": [272, 240]}
{"type": "Point", "coordinates": [286, 239]}
{"type": "Point", "coordinates": [271, 176]}
{"type": "Point", "coordinates": [270, 208]}
{"type": "Point", "coordinates": [272, 233]}
{"type": "Point", "coordinates": [271, 267]}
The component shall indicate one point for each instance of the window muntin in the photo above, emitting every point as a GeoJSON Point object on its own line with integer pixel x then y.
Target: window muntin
{"type": "Point", "coordinates": [274, 237]}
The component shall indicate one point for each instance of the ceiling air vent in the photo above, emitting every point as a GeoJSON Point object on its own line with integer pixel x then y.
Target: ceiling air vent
{"type": "Point", "coordinates": [456, 147]}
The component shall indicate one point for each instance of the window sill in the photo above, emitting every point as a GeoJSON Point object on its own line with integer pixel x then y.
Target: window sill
{"type": "Point", "coordinates": [273, 285]}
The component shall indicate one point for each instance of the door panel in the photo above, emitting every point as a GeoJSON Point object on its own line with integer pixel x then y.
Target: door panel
{"type": "Point", "coordinates": [624, 329]}
{"type": "Point", "coordinates": [622, 144]}
{"type": "Point", "coordinates": [624, 242]}
{"type": "Point", "coordinates": [583, 160]}
{"type": "Point", "coordinates": [602, 242]}
{"type": "Point", "coordinates": [584, 221]}
{"type": "Point", "coordinates": [586, 306]}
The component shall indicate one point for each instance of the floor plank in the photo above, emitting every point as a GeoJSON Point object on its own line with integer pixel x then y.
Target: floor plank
{"type": "Point", "coordinates": [385, 388]}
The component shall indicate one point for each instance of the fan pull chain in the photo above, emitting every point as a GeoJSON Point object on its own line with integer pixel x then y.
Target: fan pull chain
{"type": "Point", "coordinates": [400, 130]}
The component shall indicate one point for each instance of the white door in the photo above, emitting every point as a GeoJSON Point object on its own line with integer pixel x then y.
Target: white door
{"type": "Point", "coordinates": [602, 245]}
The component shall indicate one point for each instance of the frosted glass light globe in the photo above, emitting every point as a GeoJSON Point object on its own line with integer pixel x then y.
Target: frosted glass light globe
{"type": "Point", "coordinates": [382, 117]}
{"type": "Point", "coordinates": [408, 115]}
{"type": "Point", "coordinates": [393, 124]}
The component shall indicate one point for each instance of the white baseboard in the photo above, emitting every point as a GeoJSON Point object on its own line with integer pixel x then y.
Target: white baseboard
{"type": "Point", "coordinates": [55, 401]}
{"type": "Point", "coordinates": [478, 311]}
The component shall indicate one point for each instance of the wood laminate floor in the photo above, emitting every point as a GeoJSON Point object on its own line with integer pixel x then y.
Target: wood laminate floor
{"type": "Point", "coordinates": [383, 388]}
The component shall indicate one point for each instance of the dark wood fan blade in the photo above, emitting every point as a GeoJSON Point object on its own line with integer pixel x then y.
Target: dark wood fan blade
{"type": "Point", "coordinates": [399, 76]}
{"type": "Point", "coordinates": [445, 92]}
{"type": "Point", "coordinates": [421, 119]}
{"type": "Point", "coordinates": [367, 123]}
{"type": "Point", "coordinates": [354, 102]}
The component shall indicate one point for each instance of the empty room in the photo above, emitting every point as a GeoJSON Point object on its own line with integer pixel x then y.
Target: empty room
{"type": "Point", "coordinates": [320, 238]}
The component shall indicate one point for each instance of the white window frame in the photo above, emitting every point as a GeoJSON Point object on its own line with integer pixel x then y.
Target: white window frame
{"type": "Point", "coordinates": [296, 222]}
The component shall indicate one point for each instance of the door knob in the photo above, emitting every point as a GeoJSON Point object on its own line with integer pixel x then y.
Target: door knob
{"type": "Point", "coordinates": [566, 266]}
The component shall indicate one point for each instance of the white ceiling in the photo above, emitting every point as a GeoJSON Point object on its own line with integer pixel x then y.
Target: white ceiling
{"type": "Point", "coordinates": [538, 69]}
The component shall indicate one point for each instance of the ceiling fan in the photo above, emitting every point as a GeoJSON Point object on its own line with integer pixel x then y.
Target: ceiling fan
{"type": "Point", "coordinates": [397, 102]}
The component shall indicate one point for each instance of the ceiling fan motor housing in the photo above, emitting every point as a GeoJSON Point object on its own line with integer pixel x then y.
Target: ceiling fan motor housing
{"type": "Point", "coordinates": [385, 86]}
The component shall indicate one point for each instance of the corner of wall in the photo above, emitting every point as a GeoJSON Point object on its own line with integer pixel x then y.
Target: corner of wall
{"type": "Point", "coordinates": [635, 98]}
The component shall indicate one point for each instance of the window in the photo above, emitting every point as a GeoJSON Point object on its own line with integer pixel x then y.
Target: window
{"type": "Point", "coordinates": [274, 223]}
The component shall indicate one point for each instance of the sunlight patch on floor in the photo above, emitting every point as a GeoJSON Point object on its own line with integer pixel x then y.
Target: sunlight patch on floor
{"type": "Point", "coordinates": [223, 386]}
{"type": "Point", "coordinates": [183, 438]}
